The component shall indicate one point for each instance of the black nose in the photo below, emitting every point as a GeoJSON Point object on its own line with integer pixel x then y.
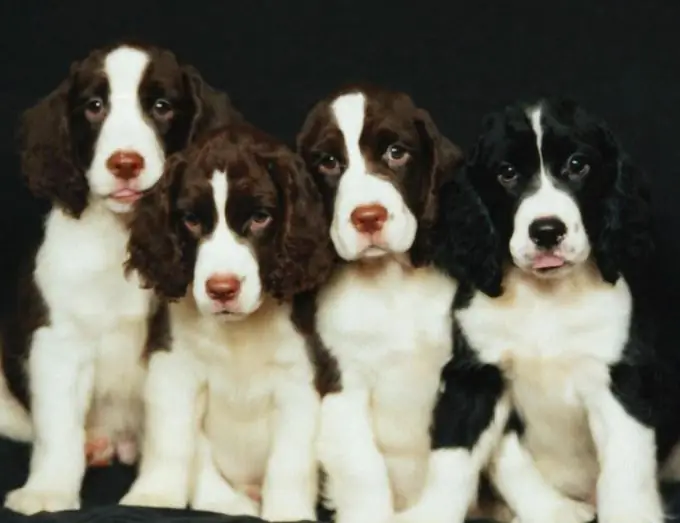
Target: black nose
{"type": "Point", "coordinates": [546, 233]}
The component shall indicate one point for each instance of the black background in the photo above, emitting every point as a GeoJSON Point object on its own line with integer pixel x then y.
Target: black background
{"type": "Point", "coordinates": [458, 59]}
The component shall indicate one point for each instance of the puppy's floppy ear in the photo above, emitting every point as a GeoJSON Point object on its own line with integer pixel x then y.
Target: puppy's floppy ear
{"type": "Point", "coordinates": [213, 107]}
{"type": "Point", "coordinates": [467, 246]}
{"type": "Point", "coordinates": [47, 159]}
{"type": "Point", "coordinates": [443, 157]}
{"type": "Point", "coordinates": [159, 248]}
{"type": "Point", "coordinates": [304, 256]}
{"type": "Point", "coordinates": [623, 243]}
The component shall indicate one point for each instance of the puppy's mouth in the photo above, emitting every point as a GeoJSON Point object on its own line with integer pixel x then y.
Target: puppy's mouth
{"type": "Point", "coordinates": [546, 262]}
{"type": "Point", "coordinates": [126, 195]}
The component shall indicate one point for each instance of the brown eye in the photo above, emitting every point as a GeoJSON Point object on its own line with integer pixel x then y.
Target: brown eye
{"type": "Point", "coordinates": [191, 222]}
{"type": "Point", "coordinates": [329, 165]}
{"type": "Point", "coordinates": [577, 166]}
{"type": "Point", "coordinates": [162, 109]}
{"type": "Point", "coordinates": [95, 110]}
{"type": "Point", "coordinates": [259, 220]}
{"type": "Point", "coordinates": [507, 175]}
{"type": "Point", "coordinates": [396, 156]}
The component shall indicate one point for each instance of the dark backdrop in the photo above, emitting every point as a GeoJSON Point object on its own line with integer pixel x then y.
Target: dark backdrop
{"type": "Point", "coordinates": [459, 59]}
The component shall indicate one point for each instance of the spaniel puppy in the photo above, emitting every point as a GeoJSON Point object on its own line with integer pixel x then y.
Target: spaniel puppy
{"type": "Point", "coordinates": [73, 327]}
{"type": "Point", "coordinates": [385, 314]}
{"type": "Point", "coordinates": [234, 235]}
{"type": "Point", "coordinates": [558, 246]}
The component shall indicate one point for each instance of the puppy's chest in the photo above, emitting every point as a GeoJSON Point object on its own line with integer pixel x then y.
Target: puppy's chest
{"type": "Point", "coordinates": [391, 316]}
{"type": "Point", "coordinates": [79, 270]}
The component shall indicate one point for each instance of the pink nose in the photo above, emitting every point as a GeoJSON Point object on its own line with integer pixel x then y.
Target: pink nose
{"type": "Point", "coordinates": [369, 218]}
{"type": "Point", "coordinates": [125, 165]}
{"type": "Point", "coordinates": [222, 287]}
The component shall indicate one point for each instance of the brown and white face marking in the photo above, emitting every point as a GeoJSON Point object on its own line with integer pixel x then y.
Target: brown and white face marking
{"type": "Point", "coordinates": [378, 160]}
{"type": "Point", "coordinates": [105, 132]}
{"type": "Point", "coordinates": [235, 218]}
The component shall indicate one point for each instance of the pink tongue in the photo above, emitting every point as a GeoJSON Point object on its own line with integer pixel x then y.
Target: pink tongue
{"type": "Point", "coordinates": [547, 261]}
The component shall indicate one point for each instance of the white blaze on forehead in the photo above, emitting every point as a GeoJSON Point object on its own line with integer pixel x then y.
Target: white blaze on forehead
{"type": "Point", "coordinates": [219, 187]}
{"type": "Point", "coordinates": [349, 113]}
{"type": "Point", "coordinates": [534, 115]}
{"type": "Point", "coordinates": [125, 68]}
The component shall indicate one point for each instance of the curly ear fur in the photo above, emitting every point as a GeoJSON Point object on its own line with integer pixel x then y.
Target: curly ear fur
{"type": "Point", "coordinates": [158, 247]}
{"type": "Point", "coordinates": [445, 157]}
{"type": "Point", "coordinates": [213, 108]}
{"type": "Point", "coordinates": [467, 246]}
{"type": "Point", "coordinates": [304, 255]}
{"type": "Point", "coordinates": [46, 156]}
{"type": "Point", "coordinates": [624, 242]}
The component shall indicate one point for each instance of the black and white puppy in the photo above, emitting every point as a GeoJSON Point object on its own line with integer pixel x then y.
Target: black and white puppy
{"type": "Point", "coordinates": [234, 233]}
{"type": "Point", "coordinates": [384, 315]}
{"type": "Point", "coordinates": [73, 327]}
{"type": "Point", "coordinates": [558, 244]}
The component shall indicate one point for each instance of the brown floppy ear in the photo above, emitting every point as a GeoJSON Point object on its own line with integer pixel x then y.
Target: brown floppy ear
{"type": "Point", "coordinates": [159, 248]}
{"type": "Point", "coordinates": [213, 107]}
{"type": "Point", "coordinates": [442, 158]}
{"type": "Point", "coordinates": [47, 161]}
{"type": "Point", "coordinates": [304, 256]}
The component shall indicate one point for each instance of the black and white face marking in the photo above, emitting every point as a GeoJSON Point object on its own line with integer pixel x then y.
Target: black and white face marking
{"type": "Point", "coordinates": [548, 232]}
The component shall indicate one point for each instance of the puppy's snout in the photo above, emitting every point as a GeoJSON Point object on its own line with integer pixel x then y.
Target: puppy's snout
{"type": "Point", "coordinates": [125, 165]}
{"type": "Point", "coordinates": [547, 233]}
{"type": "Point", "coordinates": [222, 287]}
{"type": "Point", "coordinates": [369, 218]}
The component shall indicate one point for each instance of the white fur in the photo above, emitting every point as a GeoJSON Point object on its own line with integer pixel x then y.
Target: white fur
{"type": "Point", "coordinates": [232, 410]}
{"type": "Point", "coordinates": [15, 422]}
{"type": "Point", "coordinates": [226, 254]}
{"type": "Point", "coordinates": [125, 128]}
{"type": "Point", "coordinates": [453, 476]}
{"type": "Point", "coordinates": [87, 359]}
{"type": "Point", "coordinates": [359, 186]}
{"type": "Point", "coordinates": [555, 340]}
{"type": "Point", "coordinates": [389, 328]}
{"type": "Point", "coordinates": [547, 201]}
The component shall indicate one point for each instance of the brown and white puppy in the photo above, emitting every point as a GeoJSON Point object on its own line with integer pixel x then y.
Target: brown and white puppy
{"type": "Point", "coordinates": [233, 233]}
{"type": "Point", "coordinates": [384, 315]}
{"type": "Point", "coordinates": [73, 326]}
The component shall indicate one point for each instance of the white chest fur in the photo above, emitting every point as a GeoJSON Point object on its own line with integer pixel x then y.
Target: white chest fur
{"type": "Point", "coordinates": [555, 342]}
{"type": "Point", "coordinates": [389, 329]}
{"type": "Point", "coordinates": [79, 270]}
{"type": "Point", "coordinates": [244, 366]}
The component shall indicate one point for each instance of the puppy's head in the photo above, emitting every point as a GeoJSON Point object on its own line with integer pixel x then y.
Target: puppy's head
{"type": "Point", "coordinates": [234, 218]}
{"type": "Point", "coordinates": [105, 132]}
{"type": "Point", "coordinates": [548, 188]}
{"type": "Point", "coordinates": [378, 160]}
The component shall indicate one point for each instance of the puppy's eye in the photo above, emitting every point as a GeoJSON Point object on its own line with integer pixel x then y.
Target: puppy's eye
{"type": "Point", "coordinates": [162, 109]}
{"type": "Point", "coordinates": [329, 165]}
{"type": "Point", "coordinates": [259, 220]}
{"type": "Point", "coordinates": [577, 166]}
{"type": "Point", "coordinates": [396, 155]}
{"type": "Point", "coordinates": [507, 175]}
{"type": "Point", "coordinates": [191, 222]}
{"type": "Point", "coordinates": [95, 109]}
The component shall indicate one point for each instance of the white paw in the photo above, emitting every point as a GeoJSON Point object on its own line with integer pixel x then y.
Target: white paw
{"type": "Point", "coordinates": [288, 513]}
{"type": "Point", "coordinates": [239, 505]}
{"type": "Point", "coordinates": [633, 509]}
{"type": "Point", "coordinates": [560, 510]}
{"type": "Point", "coordinates": [148, 498]}
{"type": "Point", "coordinates": [27, 500]}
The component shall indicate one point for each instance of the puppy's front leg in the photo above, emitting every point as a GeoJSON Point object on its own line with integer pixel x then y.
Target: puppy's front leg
{"type": "Point", "coordinates": [62, 376]}
{"type": "Point", "coordinates": [171, 409]}
{"type": "Point", "coordinates": [627, 489]}
{"type": "Point", "coordinates": [290, 486]}
{"type": "Point", "coordinates": [356, 472]}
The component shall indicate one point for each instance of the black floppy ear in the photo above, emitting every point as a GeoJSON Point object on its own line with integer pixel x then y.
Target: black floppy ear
{"type": "Point", "coordinates": [47, 161]}
{"type": "Point", "coordinates": [213, 108]}
{"type": "Point", "coordinates": [467, 246]}
{"type": "Point", "coordinates": [159, 249]}
{"type": "Point", "coordinates": [623, 244]}
{"type": "Point", "coordinates": [443, 157]}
